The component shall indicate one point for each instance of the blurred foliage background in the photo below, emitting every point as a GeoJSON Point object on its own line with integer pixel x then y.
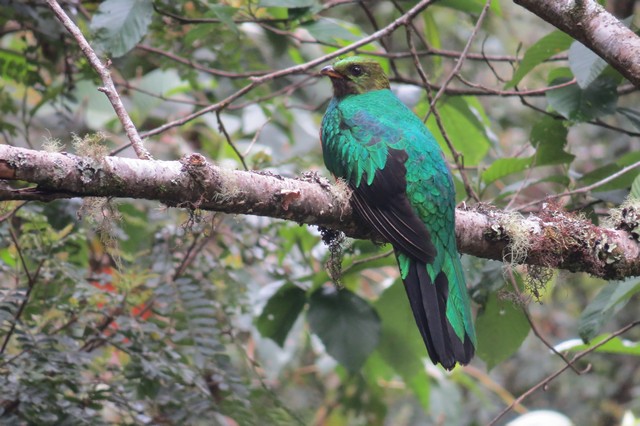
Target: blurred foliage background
{"type": "Point", "coordinates": [125, 312]}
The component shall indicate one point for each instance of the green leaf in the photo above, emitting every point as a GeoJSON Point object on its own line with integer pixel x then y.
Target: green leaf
{"type": "Point", "coordinates": [290, 4]}
{"type": "Point", "coordinates": [470, 6]}
{"type": "Point", "coordinates": [330, 30]}
{"type": "Point", "coordinates": [543, 49]}
{"type": "Point", "coordinates": [549, 137]}
{"type": "Point", "coordinates": [613, 297]}
{"type": "Point", "coordinates": [585, 65]}
{"type": "Point", "coordinates": [614, 346]}
{"type": "Point", "coordinates": [635, 188]}
{"type": "Point", "coordinates": [501, 328]}
{"type": "Point", "coordinates": [119, 25]}
{"type": "Point", "coordinates": [621, 182]}
{"type": "Point", "coordinates": [504, 167]}
{"type": "Point", "coordinates": [347, 325]}
{"type": "Point", "coordinates": [224, 14]}
{"type": "Point", "coordinates": [632, 114]}
{"type": "Point", "coordinates": [400, 345]}
{"type": "Point", "coordinates": [432, 35]}
{"type": "Point", "coordinates": [281, 312]}
{"type": "Point", "coordinates": [464, 121]}
{"type": "Point", "coordinates": [578, 104]}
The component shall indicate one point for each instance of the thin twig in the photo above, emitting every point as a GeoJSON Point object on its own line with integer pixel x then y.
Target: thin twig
{"type": "Point", "coordinates": [109, 88]}
{"type": "Point", "coordinates": [255, 137]}
{"type": "Point", "coordinates": [185, 20]}
{"type": "Point", "coordinates": [584, 189]}
{"type": "Point", "coordinates": [223, 130]}
{"type": "Point", "coordinates": [532, 92]}
{"type": "Point", "coordinates": [198, 66]}
{"type": "Point", "coordinates": [31, 282]}
{"type": "Point", "coordinates": [457, 157]}
{"type": "Point", "coordinates": [535, 330]}
{"type": "Point", "coordinates": [367, 259]}
{"type": "Point", "coordinates": [297, 69]}
{"type": "Point", "coordinates": [463, 55]}
{"type": "Point", "coordinates": [544, 383]}
{"type": "Point", "coordinates": [489, 383]}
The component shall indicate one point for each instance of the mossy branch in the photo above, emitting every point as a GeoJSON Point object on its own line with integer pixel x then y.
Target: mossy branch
{"type": "Point", "coordinates": [555, 239]}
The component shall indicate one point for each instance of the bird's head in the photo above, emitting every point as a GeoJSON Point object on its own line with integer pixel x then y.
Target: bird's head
{"type": "Point", "coordinates": [355, 75]}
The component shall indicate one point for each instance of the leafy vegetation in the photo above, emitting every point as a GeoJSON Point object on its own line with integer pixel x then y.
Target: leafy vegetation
{"type": "Point", "coordinates": [120, 311]}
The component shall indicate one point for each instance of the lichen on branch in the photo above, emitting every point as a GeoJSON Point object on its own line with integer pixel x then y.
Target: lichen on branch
{"type": "Point", "coordinates": [554, 239]}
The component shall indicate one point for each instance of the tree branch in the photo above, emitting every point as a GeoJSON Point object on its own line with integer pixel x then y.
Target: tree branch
{"type": "Point", "coordinates": [553, 239]}
{"type": "Point", "coordinates": [109, 88]}
{"type": "Point", "coordinates": [593, 26]}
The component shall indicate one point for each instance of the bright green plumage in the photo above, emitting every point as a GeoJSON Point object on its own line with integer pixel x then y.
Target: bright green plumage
{"type": "Point", "coordinates": [403, 189]}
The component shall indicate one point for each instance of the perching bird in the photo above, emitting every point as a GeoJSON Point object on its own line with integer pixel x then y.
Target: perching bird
{"type": "Point", "coordinates": [403, 189]}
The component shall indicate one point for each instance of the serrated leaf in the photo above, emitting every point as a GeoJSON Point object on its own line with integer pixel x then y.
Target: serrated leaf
{"type": "Point", "coordinates": [578, 104]}
{"type": "Point", "coordinates": [504, 167]}
{"type": "Point", "coordinates": [348, 325]}
{"type": "Point", "coordinates": [501, 328]}
{"type": "Point", "coordinates": [549, 137]}
{"type": "Point", "coordinates": [548, 46]}
{"type": "Point", "coordinates": [613, 297]}
{"type": "Point", "coordinates": [585, 65]}
{"type": "Point", "coordinates": [119, 25]}
{"type": "Point", "coordinates": [281, 312]}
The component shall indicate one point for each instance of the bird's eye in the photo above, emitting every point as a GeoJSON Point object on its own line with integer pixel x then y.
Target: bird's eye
{"type": "Point", "coordinates": [356, 70]}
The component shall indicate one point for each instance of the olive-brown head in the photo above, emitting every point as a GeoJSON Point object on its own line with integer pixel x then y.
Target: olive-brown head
{"type": "Point", "coordinates": [355, 75]}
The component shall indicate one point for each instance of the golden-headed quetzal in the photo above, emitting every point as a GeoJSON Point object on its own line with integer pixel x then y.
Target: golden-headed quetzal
{"type": "Point", "coordinates": [402, 188]}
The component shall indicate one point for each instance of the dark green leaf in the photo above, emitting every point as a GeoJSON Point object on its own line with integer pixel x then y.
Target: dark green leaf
{"type": "Point", "coordinates": [623, 181]}
{"type": "Point", "coordinates": [613, 297]}
{"type": "Point", "coordinates": [400, 345]}
{"type": "Point", "coordinates": [549, 137]}
{"type": "Point", "coordinates": [466, 126]}
{"type": "Point", "coordinates": [501, 328]}
{"type": "Point", "coordinates": [119, 25]}
{"type": "Point", "coordinates": [543, 49]}
{"type": "Point", "coordinates": [281, 312]}
{"type": "Point", "coordinates": [585, 64]}
{"type": "Point", "coordinates": [347, 325]}
{"type": "Point", "coordinates": [578, 104]}
{"type": "Point", "coordinates": [503, 167]}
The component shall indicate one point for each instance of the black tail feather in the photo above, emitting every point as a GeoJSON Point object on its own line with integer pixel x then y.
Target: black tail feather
{"type": "Point", "coordinates": [429, 303]}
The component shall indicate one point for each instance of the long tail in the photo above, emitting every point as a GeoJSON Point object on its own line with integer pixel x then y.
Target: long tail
{"type": "Point", "coordinates": [429, 305]}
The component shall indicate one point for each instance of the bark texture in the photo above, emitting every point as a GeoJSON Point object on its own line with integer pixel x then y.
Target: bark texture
{"type": "Point", "coordinates": [555, 239]}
